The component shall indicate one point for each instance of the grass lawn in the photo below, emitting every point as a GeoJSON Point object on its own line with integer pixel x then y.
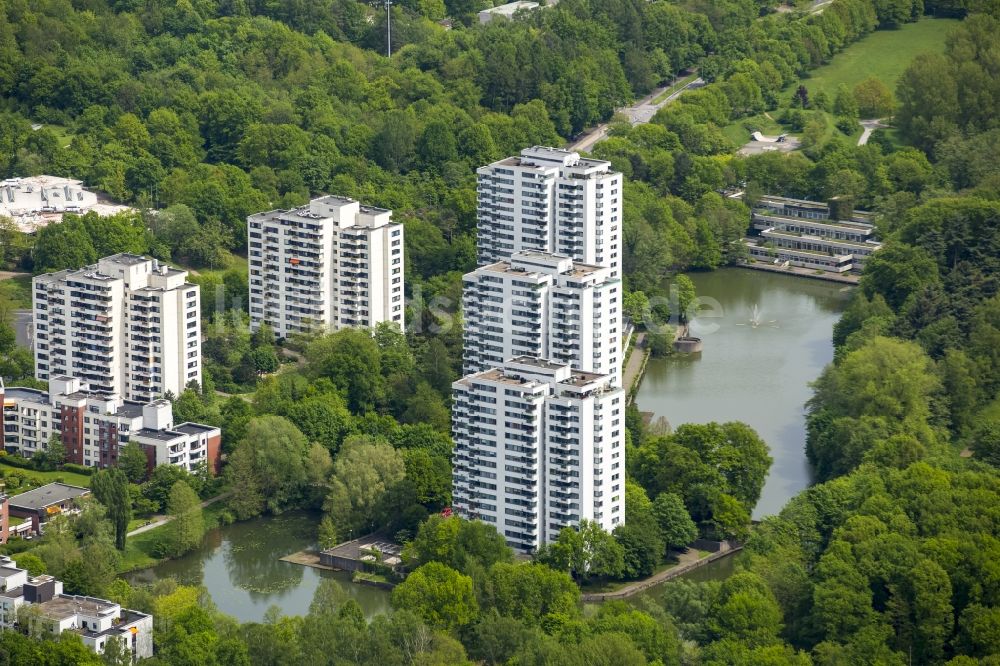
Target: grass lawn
{"type": "Point", "coordinates": [63, 134]}
{"type": "Point", "coordinates": [17, 291]}
{"type": "Point", "coordinates": [738, 133]}
{"type": "Point", "coordinates": [236, 262]}
{"type": "Point", "coordinates": [884, 54]}
{"type": "Point", "coordinates": [72, 478]}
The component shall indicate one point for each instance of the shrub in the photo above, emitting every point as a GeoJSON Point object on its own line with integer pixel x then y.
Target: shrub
{"type": "Point", "coordinates": [846, 125]}
{"type": "Point", "coordinates": [78, 469]}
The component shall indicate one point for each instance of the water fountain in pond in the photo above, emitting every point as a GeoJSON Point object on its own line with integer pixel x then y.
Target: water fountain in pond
{"type": "Point", "coordinates": [756, 321]}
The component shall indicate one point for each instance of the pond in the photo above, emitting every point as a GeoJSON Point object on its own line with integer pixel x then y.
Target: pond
{"type": "Point", "coordinates": [239, 565]}
{"type": "Point", "coordinates": [768, 338]}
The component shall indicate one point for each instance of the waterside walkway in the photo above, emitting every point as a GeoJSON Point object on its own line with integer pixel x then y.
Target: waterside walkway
{"type": "Point", "coordinates": [689, 561]}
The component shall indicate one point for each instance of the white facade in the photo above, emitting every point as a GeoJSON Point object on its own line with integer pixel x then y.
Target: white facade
{"type": "Point", "coordinates": [94, 426]}
{"type": "Point", "coordinates": [546, 306]}
{"type": "Point", "coordinates": [538, 447]}
{"type": "Point", "coordinates": [95, 620]}
{"type": "Point", "coordinates": [127, 325]}
{"type": "Point", "coordinates": [332, 264]}
{"type": "Point", "coordinates": [550, 200]}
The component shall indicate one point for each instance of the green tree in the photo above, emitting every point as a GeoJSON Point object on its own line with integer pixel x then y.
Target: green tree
{"type": "Point", "coordinates": [110, 487]}
{"type": "Point", "coordinates": [440, 595]}
{"type": "Point", "coordinates": [531, 592]}
{"type": "Point", "coordinates": [874, 99]}
{"type": "Point", "coordinates": [133, 461]}
{"type": "Point", "coordinates": [930, 594]}
{"type": "Point", "coordinates": [674, 520]}
{"type": "Point", "coordinates": [185, 530]}
{"type": "Point", "coordinates": [351, 360]}
{"type": "Point", "coordinates": [684, 291]}
{"type": "Point", "coordinates": [844, 104]}
{"type": "Point", "coordinates": [364, 471]}
{"type": "Point", "coordinates": [585, 551]}
{"type": "Point", "coordinates": [32, 562]}
{"type": "Point", "coordinates": [985, 442]}
{"type": "Point", "coordinates": [274, 468]}
{"type": "Point", "coordinates": [63, 245]}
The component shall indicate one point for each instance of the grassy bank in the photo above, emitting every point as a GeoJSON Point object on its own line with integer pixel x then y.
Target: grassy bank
{"type": "Point", "coordinates": [884, 54]}
{"type": "Point", "coordinates": [41, 478]}
{"type": "Point", "coordinates": [17, 291]}
{"type": "Point", "coordinates": [140, 549]}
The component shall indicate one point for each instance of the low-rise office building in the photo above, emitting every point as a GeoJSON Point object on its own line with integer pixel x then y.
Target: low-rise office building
{"type": "Point", "coordinates": [29, 603]}
{"type": "Point", "coordinates": [823, 236]}
{"type": "Point", "coordinates": [94, 426]}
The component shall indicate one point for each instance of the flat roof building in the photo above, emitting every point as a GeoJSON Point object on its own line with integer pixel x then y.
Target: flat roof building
{"type": "Point", "coordinates": [832, 237]}
{"type": "Point", "coordinates": [95, 425]}
{"type": "Point", "coordinates": [330, 265]}
{"type": "Point", "coordinates": [539, 446]}
{"type": "Point", "coordinates": [96, 621]}
{"type": "Point", "coordinates": [550, 200]}
{"type": "Point", "coordinates": [44, 502]}
{"type": "Point", "coordinates": [127, 324]}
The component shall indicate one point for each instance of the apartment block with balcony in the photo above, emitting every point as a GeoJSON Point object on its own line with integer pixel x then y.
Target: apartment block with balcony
{"type": "Point", "coordinates": [330, 265]}
{"type": "Point", "coordinates": [550, 200]}
{"type": "Point", "coordinates": [32, 603]}
{"type": "Point", "coordinates": [539, 446]}
{"type": "Point", "coordinates": [543, 305]}
{"type": "Point", "coordinates": [94, 425]}
{"type": "Point", "coordinates": [126, 325]}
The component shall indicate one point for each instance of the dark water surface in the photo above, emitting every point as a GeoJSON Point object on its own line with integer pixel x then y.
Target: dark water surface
{"type": "Point", "coordinates": [239, 565]}
{"type": "Point", "coordinates": [756, 374]}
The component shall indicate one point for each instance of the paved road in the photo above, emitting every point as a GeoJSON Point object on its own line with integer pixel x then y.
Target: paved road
{"type": "Point", "coordinates": [870, 126]}
{"type": "Point", "coordinates": [22, 327]}
{"type": "Point", "coordinates": [640, 112]}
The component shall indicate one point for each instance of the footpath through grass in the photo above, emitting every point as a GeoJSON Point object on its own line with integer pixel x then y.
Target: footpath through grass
{"type": "Point", "coordinates": [884, 54]}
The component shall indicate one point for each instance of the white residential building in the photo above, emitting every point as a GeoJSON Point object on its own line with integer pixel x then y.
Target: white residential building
{"type": "Point", "coordinates": [94, 426]}
{"type": "Point", "coordinates": [550, 200]}
{"type": "Point", "coordinates": [39, 601]}
{"type": "Point", "coordinates": [332, 264]}
{"type": "Point", "coordinates": [126, 325]}
{"type": "Point", "coordinates": [538, 447]}
{"type": "Point", "coordinates": [546, 306]}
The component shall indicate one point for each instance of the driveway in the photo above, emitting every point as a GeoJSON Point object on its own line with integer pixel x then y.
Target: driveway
{"type": "Point", "coordinates": [870, 126]}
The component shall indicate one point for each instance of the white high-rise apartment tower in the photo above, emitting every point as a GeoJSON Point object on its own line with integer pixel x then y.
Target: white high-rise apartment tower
{"type": "Point", "coordinates": [127, 325]}
{"type": "Point", "coordinates": [538, 447]}
{"type": "Point", "coordinates": [550, 200]}
{"type": "Point", "coordinates": [546, 306]}
{"type": "Point", "coordinates": [332, 264]}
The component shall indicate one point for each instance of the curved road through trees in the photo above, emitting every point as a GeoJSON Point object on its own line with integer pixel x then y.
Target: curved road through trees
{"type": "Point", "coordinates": [640, 112]}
